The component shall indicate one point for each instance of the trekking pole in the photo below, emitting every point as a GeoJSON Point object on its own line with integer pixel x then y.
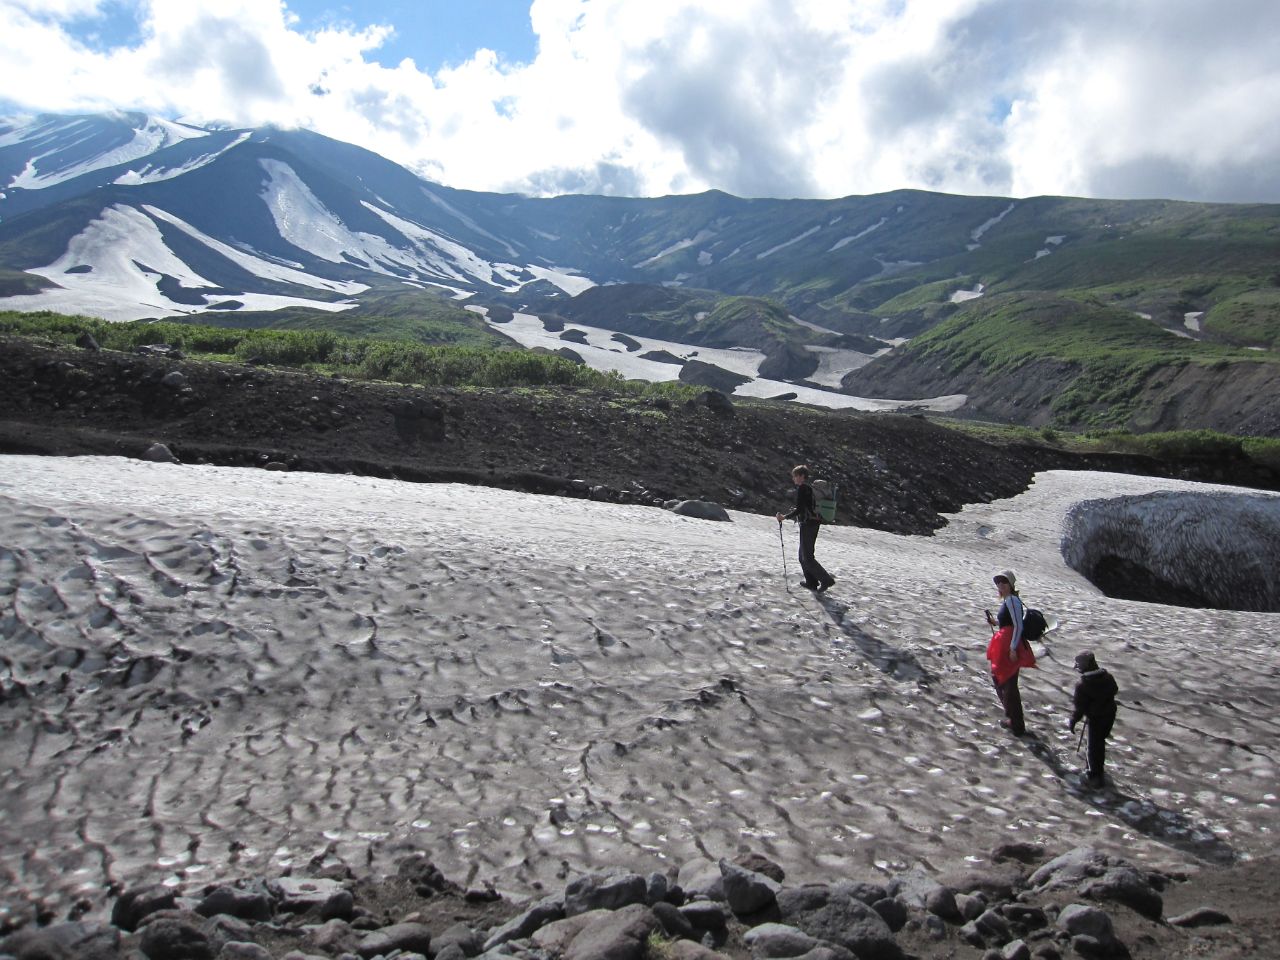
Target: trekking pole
{"type": "Point", "coordinates": [783, 544]}
{"type": "Point", "coordinates": [1080, 743]}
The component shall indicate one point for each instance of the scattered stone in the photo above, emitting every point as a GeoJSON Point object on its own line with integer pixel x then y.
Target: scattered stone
{"type": "Point", "coordinates": [701, 510]}
{"type": "Point", "coordinates": [527, 923]}
{"type": "Point", "coordinates": [63, 941]}
{"type": "Point", "coordinates": [241, 950]}
{"type": "Point", "coordinates": [746, 891]}
{"type": "Point", "coordinates": [1022, 852]}
{"type": "Point", "coordinates": [1200, 917]}
{"type": "Point", "coordinates": [701, 878]}
{"type": "Point", "coordinates": [174, 938]}
{"type": "Point", "coordinates": [1015, 950]}
{"type": "Point", "coordinates": [761, 864]}
{"type": "Point", "coordinates": [556, 936]}
{"type": "Point", "coordinates": [159, 453]}
{"type": "Point", "coordinates": [139, 902]}
{"type": "Point", "coordinates": [1082, 920]}
{"type": "Point", "coordinates": [893, 911]}
{"type": "Point", "coordinates": [412, 937]}
{"type": "Point", "coordinates": [616, 935]}
{"type": "Point", "coordinates": [603, 891]}
{"type": "Point", "coordinates": [1072, 867]}
{"type": "Point", "coordinates": [86, 341]}
{"type": "Point", "coordinates": [972, 905]}
{"type": "Point", "coordinates": [868, 893]}
{"type": "Point", "coordinates": [779, 940]}
{"type": "Point", "coordinates": [1123, 884]}
{"type": "Point", "coordinates": [674, 923]}
{"type": "Point", "coordinates": [941, 902]}
{"type": "Point", "coordinates": [837, 917]}
{"type": "Point", "coordinates": [174, 380]}
{"type": "Point", "coordinates": [656, 888]}
{"type": "Point", "coordinates": [705, 915]}
{"type": "Point", "coordinates": [1026, 916]}
{"type": "Point", "coordinates": [688, 950]}
{"type": "Point", "coordinates": [248, 904]}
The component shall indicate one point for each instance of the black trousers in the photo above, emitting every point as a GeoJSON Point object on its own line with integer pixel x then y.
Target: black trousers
{"type": "Point", "coordinates": [1099, 730]}
{"type": "Point", "coordinates": [814, 573]}
{"type": "Point", "coordinates": [1011, 700]}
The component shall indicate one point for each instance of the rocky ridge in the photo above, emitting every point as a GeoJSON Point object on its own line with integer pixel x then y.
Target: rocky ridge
{"type": "Point", "coordinates": [1022, 905]}
{"type": "Point", "coordinates": [895, 472]}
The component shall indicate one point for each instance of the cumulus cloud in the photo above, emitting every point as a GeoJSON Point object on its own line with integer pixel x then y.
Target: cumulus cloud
{"type": "Point", "coordinates": [816, 98]}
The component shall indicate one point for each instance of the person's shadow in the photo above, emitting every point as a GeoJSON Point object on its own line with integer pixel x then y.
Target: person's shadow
{"type": "Point", "coordinates": [1143, 815]}
{"type": "Point", "coordinates": [898, 664]}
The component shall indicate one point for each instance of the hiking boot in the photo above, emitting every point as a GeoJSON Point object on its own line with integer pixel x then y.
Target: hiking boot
{"type": "Point", "coordinates": [811, 586]}
{"type": "Point", "coordinates": [824, 587]}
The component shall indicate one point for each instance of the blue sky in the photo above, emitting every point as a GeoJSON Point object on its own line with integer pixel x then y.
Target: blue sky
{"type": "Point", "coordinates": [434, 33]}
{"type": "Point", "coordinates": [783, 98]}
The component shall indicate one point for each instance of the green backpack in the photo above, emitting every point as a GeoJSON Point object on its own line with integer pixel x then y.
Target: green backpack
{"type": "Point", "coordinates": [824, 496]}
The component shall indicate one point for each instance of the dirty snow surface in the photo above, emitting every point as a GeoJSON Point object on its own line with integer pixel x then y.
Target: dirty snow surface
{"type": "Point", "coordinates": [210, 673]}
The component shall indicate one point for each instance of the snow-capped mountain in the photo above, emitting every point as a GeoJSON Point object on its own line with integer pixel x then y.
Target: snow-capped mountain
{"type": "Point", "coordinates": [126, 216]}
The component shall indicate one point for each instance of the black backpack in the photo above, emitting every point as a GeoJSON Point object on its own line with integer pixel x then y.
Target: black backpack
{"type": "Point", "coordinates": [1034, 624]}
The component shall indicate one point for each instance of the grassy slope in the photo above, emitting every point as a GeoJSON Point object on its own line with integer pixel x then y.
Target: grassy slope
{"type": "Point", "coordinates": [1113, 350]}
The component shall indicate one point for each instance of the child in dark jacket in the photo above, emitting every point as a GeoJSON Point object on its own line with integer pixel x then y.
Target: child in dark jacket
{"type": "Point", "coordinates": [1095, 703]}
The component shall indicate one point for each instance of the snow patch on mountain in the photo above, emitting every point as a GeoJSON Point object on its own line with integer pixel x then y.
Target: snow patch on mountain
{"type": "Point", "coordinates": [255, 264]}
{"type": "Point", "coordinates": [834, 363]}
{"type": "Point", "coordinates": [66, 163]}
{"type": "Point", "coordinates": [564, 278]}
{"type": "Point", "coordinates": [786, 243]}
{"type": "Point", "coordinates": [843, 241]}
{"type": "Point", "coordinates": [702, 237]}
{"type": "Point", "coordinates": [976, 234]}
{"type": "Point", "coordinates": [127, 257]}
{"type": "Point", "coordinates": [149, 174]}
{"type": "Point", "coordinates": [466, 221]}
{"type": "Point", "coordinates": [960, 296]}
{"type": "Point", "coordinates": [599, 350]}
{"type": "Point", "coordinates": [445, 257]}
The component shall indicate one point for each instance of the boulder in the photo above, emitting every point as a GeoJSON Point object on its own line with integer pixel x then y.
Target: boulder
{"type": "Point", "coordinates": [1079, 919]}
{"type": "Point", "coordinates": [1199, 917]}
{"type": "Point", "coordinates": [1070, 868]}
{"type": "Point", "coordinates": [779, 940]}
{"type": "Point", "coordinates": [247, 904]}
{"type": "Point", "coordinates": [674, 923]}
{"type": "Point", "coordinates": [525, 924]}
{"type": "Point", "coordinates": [409, 937]}
{"type": "Point", "coordinates": [893, 911]}
{"type": "Point", "coordinates": [746, 891]}
{"type": "Point", "coordinates": [603, 891]}
{"type": "Point", "coordinates": [63, 941]}
{"type": "Point", "coordinates": [701, 510]}
{"type": "Point", "coordinates": [839, 918]}
{"type": "Point", "coordinates": [941, 902]}
{"type": "Point", "coordinates": [159, 453]}
{"type": "Point", "coordinates": [174, 938]}
{"type": "Point", "coordinates": [1123, 884]}
{"type": "Point", "coordinates": [615, 935]}
{"type": "Point", "coordinates": [701, 878]}
{"type": "Point", "coordinates": [138, 902]}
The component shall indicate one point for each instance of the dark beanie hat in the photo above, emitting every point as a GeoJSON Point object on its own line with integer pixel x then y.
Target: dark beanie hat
{"type": "Point", "coordinates": [1085, 662]}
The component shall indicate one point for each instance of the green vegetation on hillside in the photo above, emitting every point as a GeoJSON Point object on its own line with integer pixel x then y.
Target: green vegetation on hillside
{"type": "Point", "coordinates": [362, 358]}
{"type": "Point", "coordinates": [1114, 352]}
{"type": "Point", "coordinates": [1251, 318]}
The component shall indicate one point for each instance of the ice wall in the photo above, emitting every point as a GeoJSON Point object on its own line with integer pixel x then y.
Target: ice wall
{"type": "Point", "coordinates": [1213, 550]}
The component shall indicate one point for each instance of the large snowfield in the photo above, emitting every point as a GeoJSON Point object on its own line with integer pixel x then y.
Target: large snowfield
{"type": "Point", "coordinates": [210, 673]}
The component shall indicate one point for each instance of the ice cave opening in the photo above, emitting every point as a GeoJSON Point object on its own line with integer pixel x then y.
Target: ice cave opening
{"type": "Point", "coordinates": [1214, 550]}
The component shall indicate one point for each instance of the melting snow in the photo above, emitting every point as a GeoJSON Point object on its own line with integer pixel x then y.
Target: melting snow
{"type": "Point", "coordinates": [1192, 320]}
{"type": "Point", "coordinates": [152, 136]}
{"type": "Point", "coordinates": [976, 234]}
{"type": "Point", "coordinates": [702, 237]}
{"type": "Point", "coordinates": [118, 288]}
{"type": "Point", "coordinates": [149, 174]}
{"type": "Point", "coordinates": [602, 352]}
{"type": "Point", "coordinates": [858, 236]}
{"type": "Point", "coordinates": [786, 243]}
{"type": "Point", "coordinates": [960, 296]}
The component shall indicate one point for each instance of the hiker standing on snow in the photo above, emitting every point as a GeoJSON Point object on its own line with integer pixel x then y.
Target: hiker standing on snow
{"type": "Point", "coordinates": [1095, 703]}
{"type": "Point", "coordinates": [806, 513]}
{"type": "Point", "coordinates": [1007, 651]}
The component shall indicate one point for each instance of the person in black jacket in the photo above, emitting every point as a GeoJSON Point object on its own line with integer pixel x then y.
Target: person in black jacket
{"type": "Point", "coordinates": [806, 513]}
{"type": "Point", "coordinates": [1095, 703]}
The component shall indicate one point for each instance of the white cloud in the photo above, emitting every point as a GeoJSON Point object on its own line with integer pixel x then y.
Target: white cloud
{"type": "Point", "coordinates": [757, 97]}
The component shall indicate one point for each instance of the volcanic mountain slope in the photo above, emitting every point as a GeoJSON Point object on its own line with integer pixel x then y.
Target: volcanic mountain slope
{"type": "Point", "coordinates": [126, 216]}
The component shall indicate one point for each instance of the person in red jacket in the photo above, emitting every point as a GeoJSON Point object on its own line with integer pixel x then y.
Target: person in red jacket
{"type": "Point", "coordinates": [1007, 651]}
